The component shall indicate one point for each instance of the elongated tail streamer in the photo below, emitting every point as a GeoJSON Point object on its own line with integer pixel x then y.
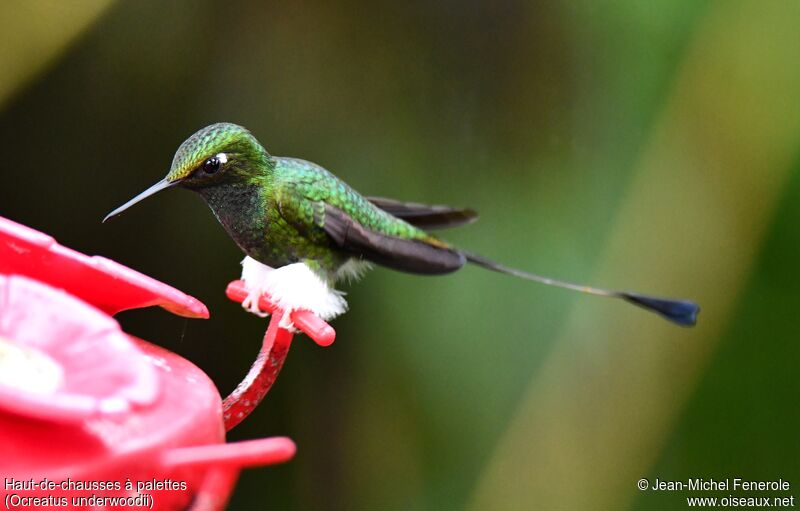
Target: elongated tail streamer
{"type": "Point", "coordinates": [680, 312]}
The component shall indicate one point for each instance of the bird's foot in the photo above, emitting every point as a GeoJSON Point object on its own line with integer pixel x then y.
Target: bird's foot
{"type": "Point", "coordinates": [254, 275]}
{"type": "Point", "coordinates": [292, 287]}
{"type": "Point", "coordinates": [250, 303]}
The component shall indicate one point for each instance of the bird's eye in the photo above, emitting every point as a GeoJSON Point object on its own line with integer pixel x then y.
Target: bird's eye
{"type": "Point", "coordinates": [211, 165]}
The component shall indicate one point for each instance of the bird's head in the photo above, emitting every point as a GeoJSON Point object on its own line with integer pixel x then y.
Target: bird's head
{"type": "Point", "coordinates": [217, 154]}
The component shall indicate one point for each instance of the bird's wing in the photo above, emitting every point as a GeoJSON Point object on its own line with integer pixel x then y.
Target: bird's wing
{"type": "Point", "coordinates": [365, 231]}
{"type": "Point", "coordinates": [426, 216]}
{"type": "Point", "coordinates": [411, 255]}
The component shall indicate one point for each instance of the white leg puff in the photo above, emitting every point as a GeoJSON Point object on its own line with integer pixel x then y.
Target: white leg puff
{"type": "Point", "coordinates": [292, 287]}
{"type": "Point", "coordinates": [254, 275]}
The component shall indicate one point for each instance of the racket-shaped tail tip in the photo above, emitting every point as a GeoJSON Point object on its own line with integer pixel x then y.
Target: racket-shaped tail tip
{"type": "Point", "coordinates": [680, 312]}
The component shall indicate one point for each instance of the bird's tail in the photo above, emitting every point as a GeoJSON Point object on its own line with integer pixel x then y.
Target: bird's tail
{"type": "Point", "coordinates": [680, 312]}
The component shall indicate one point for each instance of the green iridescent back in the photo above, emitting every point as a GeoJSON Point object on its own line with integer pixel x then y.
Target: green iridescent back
{"type": "Point", "coordinates": [296, 216]}
{"type": "Point", "coordinates": [297, 179]}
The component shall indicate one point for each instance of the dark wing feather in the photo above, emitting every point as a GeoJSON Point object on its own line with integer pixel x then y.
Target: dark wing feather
{"type": "Point", "coordinates": [425, 216]}
{"type": "Point", "coordinates": [413, 256]}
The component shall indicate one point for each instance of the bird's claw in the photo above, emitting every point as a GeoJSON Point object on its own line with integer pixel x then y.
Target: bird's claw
{"type": "Point", "coordinates": [286, 321]}
{"type": "Point", "coordinates": [250, 303]}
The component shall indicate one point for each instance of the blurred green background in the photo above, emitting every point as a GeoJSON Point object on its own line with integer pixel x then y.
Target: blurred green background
{"type": "Point", "coordinates": [643, 145]}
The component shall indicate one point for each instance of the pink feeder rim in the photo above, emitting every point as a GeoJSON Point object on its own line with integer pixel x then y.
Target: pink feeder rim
{"type": "Point", "coordinates": [109, 286]}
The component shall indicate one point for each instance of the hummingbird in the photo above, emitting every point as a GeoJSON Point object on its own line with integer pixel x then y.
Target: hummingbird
{"type": "Point", "coordinates": [303, 230]}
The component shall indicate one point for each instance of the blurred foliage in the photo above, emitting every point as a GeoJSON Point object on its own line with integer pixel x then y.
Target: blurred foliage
{"type": "Point", "coordinates": [35, 33]}
{"type": "Point", "coordinates": [635, 144]}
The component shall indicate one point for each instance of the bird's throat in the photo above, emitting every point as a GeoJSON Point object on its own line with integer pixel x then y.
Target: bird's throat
{"type": "Point", "coordinates": [241, 209]}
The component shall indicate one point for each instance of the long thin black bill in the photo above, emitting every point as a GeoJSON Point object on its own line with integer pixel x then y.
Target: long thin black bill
{"type": "Point", "coordinates": [161, 185]}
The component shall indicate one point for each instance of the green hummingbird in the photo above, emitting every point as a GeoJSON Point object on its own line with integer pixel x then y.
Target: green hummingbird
{"type": "Point", "coordinates": [303, 229]}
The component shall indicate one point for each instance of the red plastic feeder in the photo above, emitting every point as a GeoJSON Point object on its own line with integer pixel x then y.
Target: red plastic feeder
{"type": "Point", "coordinates": [89, 414]}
